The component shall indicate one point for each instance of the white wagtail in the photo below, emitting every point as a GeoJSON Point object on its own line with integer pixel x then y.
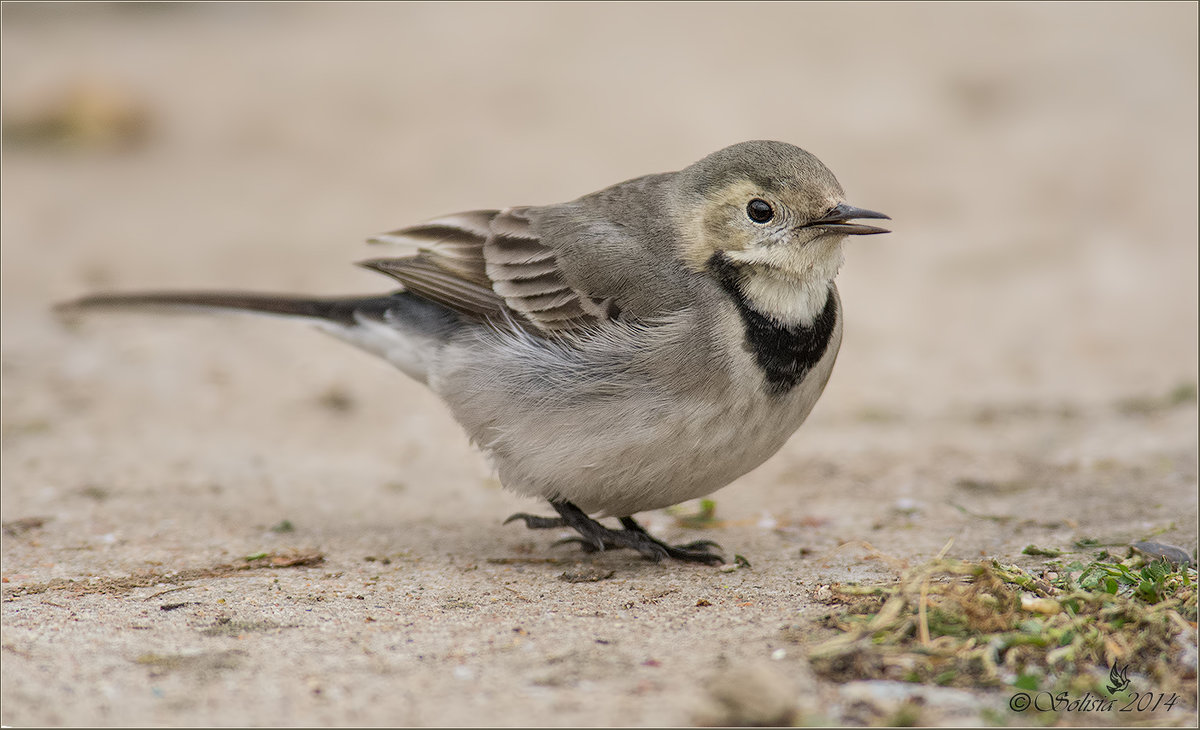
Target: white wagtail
{"type": "Point", "coordinates": [640, 346]}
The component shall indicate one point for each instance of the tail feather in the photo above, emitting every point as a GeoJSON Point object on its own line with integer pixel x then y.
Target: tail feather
{"type": "Point", "coordinates": [342, 310]}
{"type": "Point", "coordinates": [402, 328]}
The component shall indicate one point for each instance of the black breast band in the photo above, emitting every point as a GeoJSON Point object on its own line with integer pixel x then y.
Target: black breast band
{"type": "Point", "coordinates": [785, 354]}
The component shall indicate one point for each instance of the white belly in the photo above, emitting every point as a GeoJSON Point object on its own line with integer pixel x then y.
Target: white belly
{"type": "Point", "coordinates": [643, 437]}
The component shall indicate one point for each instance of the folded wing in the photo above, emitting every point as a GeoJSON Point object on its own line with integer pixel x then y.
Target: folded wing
{"type": "Point", "coordinates": [491, 265]}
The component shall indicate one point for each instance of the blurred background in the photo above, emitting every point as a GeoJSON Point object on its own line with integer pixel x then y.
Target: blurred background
{"type": "Point", "coordinates": [1039, 160]}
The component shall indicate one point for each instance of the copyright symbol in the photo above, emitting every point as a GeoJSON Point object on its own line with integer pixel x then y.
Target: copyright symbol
{"type": "Point", "coordinates": [1019, 702]}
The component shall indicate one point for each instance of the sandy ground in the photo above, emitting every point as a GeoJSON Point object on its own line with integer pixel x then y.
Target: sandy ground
{"type": "Point", "coordinates": [1011, 350]}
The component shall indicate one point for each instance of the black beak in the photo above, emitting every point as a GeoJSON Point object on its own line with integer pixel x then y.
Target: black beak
{"type": "Point", "coordinates": [835, 220]}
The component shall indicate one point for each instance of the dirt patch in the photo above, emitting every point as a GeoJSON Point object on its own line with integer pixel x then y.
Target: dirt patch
{"type": "Point", "coordinates": [149, 578]}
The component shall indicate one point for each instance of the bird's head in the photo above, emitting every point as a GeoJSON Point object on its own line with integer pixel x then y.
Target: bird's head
{"type": "Point", "coordinates": [775, 217]}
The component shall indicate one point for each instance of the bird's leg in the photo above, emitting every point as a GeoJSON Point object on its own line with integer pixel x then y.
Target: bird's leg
{"type": "Point", "coordinates": [595, 537]}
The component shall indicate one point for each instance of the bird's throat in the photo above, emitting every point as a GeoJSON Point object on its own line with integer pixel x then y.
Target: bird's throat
{"type": "Point", "coordinates": [790, 300]}
{"type": "Point", "coordinates": [784, 351]}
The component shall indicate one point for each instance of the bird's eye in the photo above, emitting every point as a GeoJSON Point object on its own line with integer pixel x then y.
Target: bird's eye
{"type": "Point", "coordinates": [760, 211]}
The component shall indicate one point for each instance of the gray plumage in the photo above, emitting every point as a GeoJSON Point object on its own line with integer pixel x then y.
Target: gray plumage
{"type": "Point", "coordinates": [640, 346]}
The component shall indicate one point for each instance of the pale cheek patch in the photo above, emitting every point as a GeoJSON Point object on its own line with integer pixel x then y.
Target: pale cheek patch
{"type": "Point", "coordinates": [716, 225]}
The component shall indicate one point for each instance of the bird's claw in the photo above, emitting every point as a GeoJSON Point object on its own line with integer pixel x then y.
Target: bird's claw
{"type": "Point", "coordinates": [535, 522]}
{"type": "Point", "coordinates": [594, 537]}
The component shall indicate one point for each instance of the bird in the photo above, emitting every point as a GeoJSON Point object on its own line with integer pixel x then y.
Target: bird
{"type": "Point", "coordinates": [635, 348]}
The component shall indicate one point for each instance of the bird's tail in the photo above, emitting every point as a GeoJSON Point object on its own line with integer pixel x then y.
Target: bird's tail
{"type": "Point", "coordinates": [400, 327]}
{"type": "Point", "coordinates": [342, 310]}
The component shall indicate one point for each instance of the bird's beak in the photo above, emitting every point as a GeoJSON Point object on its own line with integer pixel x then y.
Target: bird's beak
{"type": "Point", "coordinates": [836, 220]}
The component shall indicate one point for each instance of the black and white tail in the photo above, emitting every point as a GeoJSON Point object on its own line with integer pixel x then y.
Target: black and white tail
{"type": "Point", "coordinates": [399, 327]}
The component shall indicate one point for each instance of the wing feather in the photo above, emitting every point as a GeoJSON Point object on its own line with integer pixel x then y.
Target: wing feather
{"type": "Point", "coordinates": [426, 279]}
{"type": "Point", "coordinates": [491, 265]}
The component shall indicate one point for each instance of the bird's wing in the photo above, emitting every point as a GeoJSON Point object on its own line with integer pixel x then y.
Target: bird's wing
{"type": "Point", "coordinates": [491, 265]}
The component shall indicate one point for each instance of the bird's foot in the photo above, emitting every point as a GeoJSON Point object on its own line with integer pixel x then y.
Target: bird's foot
{"type": "Point", "coordinates": [595, 537]}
